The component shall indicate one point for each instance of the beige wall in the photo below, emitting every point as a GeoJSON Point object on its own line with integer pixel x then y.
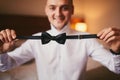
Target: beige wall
{"type": "Point", "coordinates": [97, 13]}
{"type": "Point", "coordinates": [22, 7]}
{"type": "Point", "coordinates": [102, 13]}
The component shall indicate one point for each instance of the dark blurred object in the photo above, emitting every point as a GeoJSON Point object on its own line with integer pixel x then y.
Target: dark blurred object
{"type": "Point", "coordinates": [24, 25]}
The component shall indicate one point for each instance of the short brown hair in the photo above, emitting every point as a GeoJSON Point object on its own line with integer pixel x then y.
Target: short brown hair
{"type": "Point", "coordinates": [71, 1]}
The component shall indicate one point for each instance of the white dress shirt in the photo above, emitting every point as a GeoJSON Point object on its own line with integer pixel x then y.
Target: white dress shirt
{"type": "Point", "coordinates": [60, 62]}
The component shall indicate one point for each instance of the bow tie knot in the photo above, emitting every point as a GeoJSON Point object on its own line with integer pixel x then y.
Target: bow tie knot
{"type": "Point", "coordinates": [46, 38]}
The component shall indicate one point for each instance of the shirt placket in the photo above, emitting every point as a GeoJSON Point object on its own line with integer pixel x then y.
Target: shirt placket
{"type": "Point", "coordinates": [60, 61]}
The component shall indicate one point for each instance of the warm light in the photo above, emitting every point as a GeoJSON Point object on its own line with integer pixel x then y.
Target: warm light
{"type": "Point", "coordinates": [81, 27]}
{"type": "Point", "coordinates": [79, 24]}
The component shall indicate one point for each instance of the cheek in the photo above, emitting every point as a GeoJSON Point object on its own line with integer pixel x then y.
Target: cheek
{"type": "Point", "coordinates": [67, 15]}
{"type": "Point", "coordinates": [51, 15]}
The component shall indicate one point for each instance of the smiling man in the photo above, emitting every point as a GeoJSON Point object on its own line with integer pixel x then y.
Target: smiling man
{"type": "Point", "coordinates": [61, 61]}
{"type": "Point", "coordinates": [59, 12]}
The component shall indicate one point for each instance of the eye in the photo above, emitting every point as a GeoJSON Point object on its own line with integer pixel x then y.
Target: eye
{"type": "Point", "coordinates": [65, 8]}
{"type": "Point", "coordinates": [52, 7]}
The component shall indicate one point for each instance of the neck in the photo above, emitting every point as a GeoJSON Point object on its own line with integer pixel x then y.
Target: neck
{"type": "Point", "coordinates": [65, 29]}
{"type": "Point", "coordinates": [59, 29]}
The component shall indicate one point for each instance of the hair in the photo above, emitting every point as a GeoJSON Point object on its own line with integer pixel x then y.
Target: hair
{"type": "Point", "coordinates": [71, 1]}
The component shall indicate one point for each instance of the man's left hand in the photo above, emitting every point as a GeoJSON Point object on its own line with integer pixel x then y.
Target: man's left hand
{"type": "Point", "coordinates": [112, 37]}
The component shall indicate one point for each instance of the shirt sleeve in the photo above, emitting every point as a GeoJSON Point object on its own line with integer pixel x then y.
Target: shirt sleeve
{"type": "Point", "coordinates": [6, 62]}
{"type": "Point", "coordinates": [117, 63]}
{"type": "Point", "coordinates": [17, 57]}
{"type": "Point", "coordinates": [99, 53]}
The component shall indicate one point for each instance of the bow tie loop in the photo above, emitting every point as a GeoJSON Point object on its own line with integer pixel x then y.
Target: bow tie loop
{"type": "Point", "coordinates": [46, 38]}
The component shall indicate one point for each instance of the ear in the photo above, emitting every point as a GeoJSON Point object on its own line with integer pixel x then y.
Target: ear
{"type": "Point", "coordinates": [45, 10]}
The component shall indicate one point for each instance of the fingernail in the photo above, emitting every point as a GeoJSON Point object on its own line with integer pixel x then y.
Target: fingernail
{"type": "Point", "coordinates": [14, 37]}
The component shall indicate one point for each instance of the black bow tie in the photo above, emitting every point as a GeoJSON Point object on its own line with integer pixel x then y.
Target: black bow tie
{"type": "Point", "coordinates": [46, 38]}
{"type": "Point", "coordinates": [61, 38]}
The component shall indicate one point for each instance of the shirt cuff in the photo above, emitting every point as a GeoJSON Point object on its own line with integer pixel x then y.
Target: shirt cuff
{"type": "Point", "coordinates": [117, 63]}
{"type": "Point", "coordinates": [1, 60]}
{"type": "Point", "coordinates": [114, 52]}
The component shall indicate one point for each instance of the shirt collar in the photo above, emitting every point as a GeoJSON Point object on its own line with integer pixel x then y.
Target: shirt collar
{"type": "Point", "coordinates": [54, 31]}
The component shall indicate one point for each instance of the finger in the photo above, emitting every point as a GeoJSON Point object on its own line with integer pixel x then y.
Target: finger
{"type": "Point", "coordinates": [13, 33]}
{"type": "Point", "coordinates": [116, 30]}
{"type": "Point", "coordinates": [100, 33]}
{"type": "Point", "coordinates": [113, 38]}
{"type": "Point", "coordinates": [8, 32]}
{"type": "Point", "coordinates": [113, 29]}
{"type": "Point", "coordinates": [4, 34]}
{"type": "Point", "coordinates": [110, 34]}
{"type": "Point", "coordinates": [104, 32]}
{"type": "Point", "coordinates": [1, 38]}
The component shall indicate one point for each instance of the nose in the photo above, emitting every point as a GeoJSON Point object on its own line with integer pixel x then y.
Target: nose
{"type": "Point", "coordinates": [58, 12]}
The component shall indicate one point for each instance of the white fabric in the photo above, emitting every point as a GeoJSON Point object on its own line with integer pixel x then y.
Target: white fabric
{"type": "Point", "coordinates": [60, 62]}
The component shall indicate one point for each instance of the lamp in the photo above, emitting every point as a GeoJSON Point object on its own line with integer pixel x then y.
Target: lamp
{"type": "Point", "coordinates": [78, 24]}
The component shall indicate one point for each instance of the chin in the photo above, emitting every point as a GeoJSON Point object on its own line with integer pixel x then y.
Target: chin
{"type": "Point", "coordinates": [57, 25]}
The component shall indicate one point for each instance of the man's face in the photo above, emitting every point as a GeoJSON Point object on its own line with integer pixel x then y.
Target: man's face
{"type": "Point", "coordinates": [59, 12]}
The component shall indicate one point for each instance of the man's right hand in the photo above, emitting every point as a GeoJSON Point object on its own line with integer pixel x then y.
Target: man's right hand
{"type": "Point", "coordinates": [7, 40]}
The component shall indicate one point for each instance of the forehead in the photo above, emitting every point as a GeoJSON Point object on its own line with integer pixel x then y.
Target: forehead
{"type": "Point", "coordinates": [58, 2]}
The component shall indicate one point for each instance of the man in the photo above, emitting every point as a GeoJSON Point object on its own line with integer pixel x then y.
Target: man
{"type": "Point", "coordinates": [57, 61]}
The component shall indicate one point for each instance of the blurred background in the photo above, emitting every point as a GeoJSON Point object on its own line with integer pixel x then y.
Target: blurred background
{"type": "Point", "coordinates": [28, 17]}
